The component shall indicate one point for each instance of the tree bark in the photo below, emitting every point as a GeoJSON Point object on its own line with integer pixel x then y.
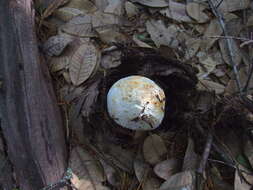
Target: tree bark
{"type": "Point", "coordinates": [30, 119]}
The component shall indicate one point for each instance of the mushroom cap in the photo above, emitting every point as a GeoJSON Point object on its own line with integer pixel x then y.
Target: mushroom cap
{"type": "Point", "coordinates": [136, 102]}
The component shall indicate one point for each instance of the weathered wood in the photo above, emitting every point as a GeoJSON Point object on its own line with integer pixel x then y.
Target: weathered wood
{"type": "Point", "coordinates": [30, 119]}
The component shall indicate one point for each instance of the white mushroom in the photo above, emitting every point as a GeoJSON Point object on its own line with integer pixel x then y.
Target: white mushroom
{"type": "Point", "coordinates": [136, 103]}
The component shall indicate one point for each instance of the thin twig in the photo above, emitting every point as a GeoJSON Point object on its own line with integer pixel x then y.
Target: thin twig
{"type": "Point", "coordinates": [228, 44]}
{"type": "Point", "coordinates": [206, 153]}
{"type": "Point", "coordinates": [229, 37]}
{"type": "Point", "coordinates": [221, 162]}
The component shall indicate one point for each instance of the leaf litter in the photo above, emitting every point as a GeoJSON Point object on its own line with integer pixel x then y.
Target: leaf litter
{"type": "Point", "coordinates": [98, 42]}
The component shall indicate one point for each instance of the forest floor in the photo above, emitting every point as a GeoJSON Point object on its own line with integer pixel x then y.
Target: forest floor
{"type": "Point", "coordinates": [199, 51]}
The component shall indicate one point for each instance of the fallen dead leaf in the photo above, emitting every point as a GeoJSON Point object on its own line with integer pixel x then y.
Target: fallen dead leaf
{"type": "Point", "coordinates": [206, 65]}
{"type": "Point", "coordinates": [100, 19]}
{"type": "Point", "coordinates": [83, 63]}
{"type": "Point", "coordinates": [59, 63]}
{"type": "Point", "coordinates": [167, 168]}
{"type": "Point", "coordinates": [79, 26]}
{"type": "Point", "coordinates": [66, 13]}
{"type": "Point", "coordinates": [240, 183]}
{"type": "Point", "coordinates": [191, 159]}
{"type": "Point", "coordinates": [184, 181]}
{"type": "Point", "coordinates": [231, 5]}
{"type": "Point", "coordinates": [131, 9]}
{"type": "Point", "coordinates": [243, 75]}
{"type": "Point", "coordinates": [115, 7]}
{"type": "Point", "coordinates": [53, 7]}
{"type": "Point", "coordinates": [110, 35]}
{"type": "Point", "coordinates": [162, 35]}
{"type": "Point", "coordinates": [112, 175]}
{"type": "Point", "coordinates": [196, 11]}
{"type": "Point", "coordinates": [122, 158]}
{"type": "Point", "coordinates": [86, 6]}
{"type": "Point", "coordinates": [154, 149]}
{"type": "Point", "coordinates": [56, 44]}
{"type": "Point", "coordinates": [177, 12]}
{"type": "Point", "coordinates": [153, 3]}
{"type": "Point", "coordinates": [210, 86]}
{"type": "Point", "coordinates": [88, 174]}
{"type": "Point", "coordinates": [143, 173]}
{"type": "Point", "coordinates": [213, 29]}
{"type": "Point", "coordinates": [192, 47]}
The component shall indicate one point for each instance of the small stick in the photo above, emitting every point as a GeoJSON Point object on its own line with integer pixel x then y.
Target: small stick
{"type": "Point", "coordinates": [206, 153]}
{"type": "Point", "coordinates": [228, 44]}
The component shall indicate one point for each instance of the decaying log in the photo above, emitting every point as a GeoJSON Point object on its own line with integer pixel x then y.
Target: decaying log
{"type": "Point", "coordinates": [30, 119]}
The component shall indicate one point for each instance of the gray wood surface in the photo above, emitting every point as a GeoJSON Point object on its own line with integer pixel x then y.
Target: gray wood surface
{"type": "Point", "coordinates": [30, 119]}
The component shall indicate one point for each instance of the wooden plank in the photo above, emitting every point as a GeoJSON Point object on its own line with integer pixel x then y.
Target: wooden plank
{"type": "Point", "coordinates": [30, 119]}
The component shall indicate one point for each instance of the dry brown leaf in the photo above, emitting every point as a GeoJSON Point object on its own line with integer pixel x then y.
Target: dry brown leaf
{"type": "Point", "coordinates": [131, 9]}
{"type": "Point", "coordinates": [115, 7]}
{"type": "Point", "coordinates": [234, 24]}
{"type": "Point", "coordinates": [101, 4]}
{"type": "Point", "coordinates": [100, 19]}
{"type": "Point", "coordinates": [122, 158]}
{"type": "Point", "coordinates": [56, 44]}
{"type": "Point", "coordinates": [88, 174]}
{"type": "Point", "coordinates": [184, 181]}
{"type": "Point", "coordinates": [111, 174]}
{"type": "Point", "coordinates": [111, 60]}
{"type": "Point", "coordinates": [177, 12]}
{"type": "Point", "coordinates": [153, 3]}
{"type": "Point", "coordinates": [79, 26]}
{"type": "Point", "coordinates": [192, 47]}
{"type": "Point", "coordinates": [53, 7]}
{"type": "Point", "coordinates": [196, 11]}
{"type": "Point", "coordinates": [206, 65]}
{"type": "Point", "coordinates": [191, 159]}
{"type": "Point", "coordinates": [231, 5]}
{"type": "Point", "coordinates": [84, 5]}
{"type": "Point", "coordinates": [143, 174]}
{"type": "Point", "coordinates": [213, 29]}
{"type": "Point", "coordinates": [240, 183]}
{"type": "Point", "coordinates": [83, 63]}
{"type": "Point", "coordinates": [154, 149]}
{"type": "Point", "coordinates": [167, 168]}
{"type": "Point", "coordinates": [236, 52]}
{"type": "Point", "coordinates": [231, 88]}
{"type": "Point", "coordinates": [66, 76]}
{"type": "Point", "coordinates": [59, 63]}
{"type": "Point", "coordinates": [66, 13]}
{"type": "Point", "coordinates": [208, 85]}
{"type": "Point", "coordinates": [162, 35]}
{"type": "Point", "coordinates": [110, 35]}
{"type": "Point", "coordinates": [141, 169]}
